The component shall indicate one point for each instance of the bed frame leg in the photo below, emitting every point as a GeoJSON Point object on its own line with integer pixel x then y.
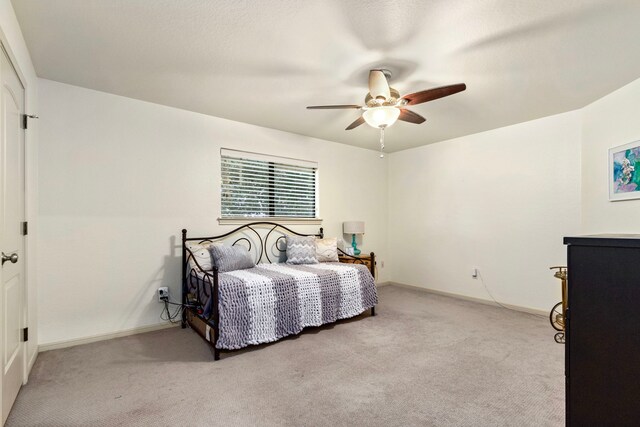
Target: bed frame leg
{"type": "Point", "coordinates": [216, 354]}
{"type": "Point", "coordinates": [373, 311]}
{"type": "Point", "coordinates": [183, 319]}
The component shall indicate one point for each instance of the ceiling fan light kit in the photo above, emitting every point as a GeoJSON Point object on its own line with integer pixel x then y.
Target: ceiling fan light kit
{"type": "Point", "coordinates": [384, 106]}
{"type": "Point", "coordinates": [379, 117]}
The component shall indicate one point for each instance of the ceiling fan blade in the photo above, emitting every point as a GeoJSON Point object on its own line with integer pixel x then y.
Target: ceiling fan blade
{"type": "Point", "coordinates": [355, 124]}
{"type": "Point", "coordinates": [431, 94]}
{"type": "Point", "coordinates": [331, 107]}
{"type": "Point", "coordinates": [410, 116]}
{"type": "Point", "coordinates": [378, 84]}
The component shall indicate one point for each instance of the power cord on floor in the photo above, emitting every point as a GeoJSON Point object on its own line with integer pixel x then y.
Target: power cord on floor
{"type": "Point", "coordinates": [166, 312]}
{"type": "Point", "coordinates": [497, 302]}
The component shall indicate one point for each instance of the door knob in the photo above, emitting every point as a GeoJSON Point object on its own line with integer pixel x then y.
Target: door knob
{"type": "Point", "coordinates": [13, 258]}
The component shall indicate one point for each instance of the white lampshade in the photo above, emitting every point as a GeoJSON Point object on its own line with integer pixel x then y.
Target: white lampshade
{"type": "Point", "coordinates": [381, 116]}
{"type": "Point", "coordinates": [353, 227]}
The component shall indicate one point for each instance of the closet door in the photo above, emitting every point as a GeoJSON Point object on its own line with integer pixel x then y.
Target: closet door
{"type": "Point", "coordinates": [12, 188]}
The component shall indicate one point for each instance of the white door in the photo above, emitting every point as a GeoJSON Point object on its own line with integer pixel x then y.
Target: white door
{"type": "Point", "coordinates": [11, 238]}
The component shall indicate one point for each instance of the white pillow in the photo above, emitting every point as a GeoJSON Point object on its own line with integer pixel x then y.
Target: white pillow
{"type": "Point", "coordinates": [327, 249]}
{"type": "Point", "coordinates": [201, 254]}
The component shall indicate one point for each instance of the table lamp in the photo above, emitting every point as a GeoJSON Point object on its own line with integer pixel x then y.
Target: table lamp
{"type": "Point", "coordinates": [353, 228]}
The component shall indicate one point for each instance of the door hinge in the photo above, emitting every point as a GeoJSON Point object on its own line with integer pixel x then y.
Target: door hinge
{"type": "Point", "coordinates": [25, 228]}
{"type": "Point", "coordinates": [25, 334]}
{"type": "Point", "coordinates": [25, 119]}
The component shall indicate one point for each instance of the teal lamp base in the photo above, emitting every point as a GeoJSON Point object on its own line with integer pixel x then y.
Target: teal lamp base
{"type": "Point", "coordinates": [356, 251]}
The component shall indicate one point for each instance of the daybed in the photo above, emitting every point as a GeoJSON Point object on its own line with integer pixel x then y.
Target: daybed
{"type": "Point", "coordinates": [271, 299]}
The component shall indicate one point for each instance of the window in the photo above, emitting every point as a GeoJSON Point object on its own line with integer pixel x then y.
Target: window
{"type": "Point", "coordinates": [261, 186]}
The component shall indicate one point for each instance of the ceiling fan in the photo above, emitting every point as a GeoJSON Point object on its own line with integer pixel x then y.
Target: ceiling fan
{"type": "Point", "coordinates": [383, 105]}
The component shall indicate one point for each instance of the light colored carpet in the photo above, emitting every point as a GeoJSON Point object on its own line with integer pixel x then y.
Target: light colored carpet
{"type": "Point", "coordinates": [424, 360]}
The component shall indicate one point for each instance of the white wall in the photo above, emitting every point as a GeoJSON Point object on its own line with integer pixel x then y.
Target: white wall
{"type": "Point", "coordinates": [12, 39]}
{"type": "Point", "coordinates": [119, 179]}
{"type": "Point", "coordinates": [115, 172]}
{"type": "Point", "coordinates": [608, 122]}
{"type": "Point", "coordinates": [500, 201]}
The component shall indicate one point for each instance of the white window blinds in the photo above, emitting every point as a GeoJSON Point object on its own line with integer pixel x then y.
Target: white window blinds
{"type": "Point", "coordinates": [256, 185]}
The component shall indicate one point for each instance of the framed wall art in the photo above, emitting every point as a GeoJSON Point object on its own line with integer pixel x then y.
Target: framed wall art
{"type": "Point", "coordinates": [624, 172]}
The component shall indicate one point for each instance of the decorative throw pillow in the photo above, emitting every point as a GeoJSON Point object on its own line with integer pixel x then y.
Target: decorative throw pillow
{"type": "Point", "coordinates": [301, 250]}
{"type": "Point", "coordinates": [230, 258]}
{"type": "Point", "coordinates": [327, 249]}
{"type": "Point", "coordinates": [201, 254]}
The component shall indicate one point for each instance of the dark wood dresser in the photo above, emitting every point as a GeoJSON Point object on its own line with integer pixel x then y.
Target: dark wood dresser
{"type": "Point", "coordinates": [602, 355]}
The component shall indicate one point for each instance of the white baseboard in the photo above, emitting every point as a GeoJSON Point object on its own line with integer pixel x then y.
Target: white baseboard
{"type": "Point", "coordinates": [468, 298]}
{"type": "Point", "coordinates": [33, 360]}
{"type": "Point", "coordinates": [30, 363]}
{"type": "Point", "coordinates": [102, 337]}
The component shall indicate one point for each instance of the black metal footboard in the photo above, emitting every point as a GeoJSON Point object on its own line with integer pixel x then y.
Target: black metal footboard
{"type": "Point", "coordinates": [206, 283]}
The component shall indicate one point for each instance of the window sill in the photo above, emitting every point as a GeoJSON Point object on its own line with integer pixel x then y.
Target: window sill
{"type": "Point", "coordinates": [243, 220]}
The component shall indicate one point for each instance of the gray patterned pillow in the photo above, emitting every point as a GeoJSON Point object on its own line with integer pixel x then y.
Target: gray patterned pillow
{"type": "Point", "coordinates": [230, 258]}
{"type": "Point", "coordinates": [301, 250]}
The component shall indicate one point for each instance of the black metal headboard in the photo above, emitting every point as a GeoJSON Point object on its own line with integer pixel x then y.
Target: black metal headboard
{"type": "Point", "coordinates": [248, 235]}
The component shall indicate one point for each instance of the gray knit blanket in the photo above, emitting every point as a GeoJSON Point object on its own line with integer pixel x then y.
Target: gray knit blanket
{"type": "Point", "coordinates": [271, 301]}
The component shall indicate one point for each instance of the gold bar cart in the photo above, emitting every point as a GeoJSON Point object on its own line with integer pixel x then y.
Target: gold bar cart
{"type": "Point", "coordinates": [558, 312]}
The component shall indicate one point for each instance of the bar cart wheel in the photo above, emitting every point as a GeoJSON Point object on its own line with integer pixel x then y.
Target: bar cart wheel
{"type": "Point", "coordinates": [556, 317]}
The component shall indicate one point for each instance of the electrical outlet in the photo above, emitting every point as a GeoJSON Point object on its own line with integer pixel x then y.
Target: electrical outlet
{"type": "Point", "coordinates": [163, 294]}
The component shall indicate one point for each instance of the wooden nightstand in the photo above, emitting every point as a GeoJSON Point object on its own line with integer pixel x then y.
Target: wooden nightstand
{"type": "Point", "coordinates": [368, 260]}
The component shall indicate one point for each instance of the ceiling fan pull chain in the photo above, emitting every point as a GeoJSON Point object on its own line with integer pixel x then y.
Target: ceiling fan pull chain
{"type": "Point", "coordinates": [381, 141]}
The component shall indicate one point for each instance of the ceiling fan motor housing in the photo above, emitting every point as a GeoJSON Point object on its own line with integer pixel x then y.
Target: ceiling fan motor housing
{"type": "Point", "coordinates": [369, 101]}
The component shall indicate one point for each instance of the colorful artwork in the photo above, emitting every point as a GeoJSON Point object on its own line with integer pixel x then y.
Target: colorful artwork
{"type": "Point", "coordinates": [624, 172]}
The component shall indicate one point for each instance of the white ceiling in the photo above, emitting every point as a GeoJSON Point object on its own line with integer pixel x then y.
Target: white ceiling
{"type": "Point", "coordinates": [263, 61]}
